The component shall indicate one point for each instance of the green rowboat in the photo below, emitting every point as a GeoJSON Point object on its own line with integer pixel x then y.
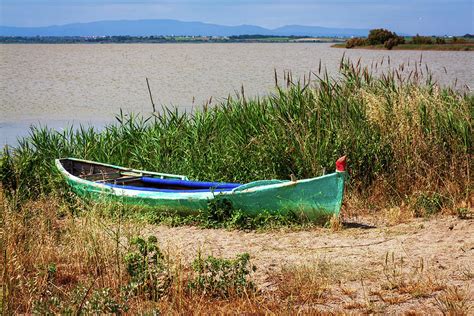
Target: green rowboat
{"type": "Point", "coordinates": [102, 182]}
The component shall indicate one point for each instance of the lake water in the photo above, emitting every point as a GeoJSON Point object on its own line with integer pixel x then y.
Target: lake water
{"type": "Point", "coordinates": [59, 85]}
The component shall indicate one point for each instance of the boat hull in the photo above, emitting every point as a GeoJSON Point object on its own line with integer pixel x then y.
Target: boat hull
{"type": "Point", "coordinates": [311, 198]}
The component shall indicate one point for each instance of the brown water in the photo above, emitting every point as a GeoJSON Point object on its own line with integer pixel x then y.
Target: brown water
{"type": "Point", "coordinates": [62, 84]}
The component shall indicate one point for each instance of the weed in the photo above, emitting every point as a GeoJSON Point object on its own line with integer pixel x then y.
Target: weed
{"type": "Point", "coordinates": [146, 268]}
{"type": "Point", "coordinates": [80, 301]}
{"type": "Point", "coordinates": [305, 284]}
{"type": "Point", "coordinates": [393, 271]}
{"type": "Point", "coordinates": [219, 277]}
{"type": "Point", "coordinates": [463, 213]}
{"type": "Point", "coordinates": [219, 211]}
{"type": "Point", "coordinates": [429, 203]}
{"type": "Point", "coordinates": [408, 140]}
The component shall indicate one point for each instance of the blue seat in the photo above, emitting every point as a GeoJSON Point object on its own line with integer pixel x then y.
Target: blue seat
{"type": "Point", "coordinates": [190, 184]}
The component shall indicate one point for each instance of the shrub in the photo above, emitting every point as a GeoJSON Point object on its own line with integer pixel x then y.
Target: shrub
{"type": "Point", "coordinates": [457, 40]}
{"type": "Point", "coordinates": [356, 41]}
{"type": "Point", "coordinates": [387, 38]}
{"type": "Point", "coordinates": [380, 36]}
{"type": "Point", "coordinates": [390, 43]}
{"type": "Point", "coordinates": [418, 39]}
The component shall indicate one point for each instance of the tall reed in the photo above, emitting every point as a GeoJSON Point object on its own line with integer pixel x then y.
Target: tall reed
{"type": "Point", "coordinates": [403, 135]}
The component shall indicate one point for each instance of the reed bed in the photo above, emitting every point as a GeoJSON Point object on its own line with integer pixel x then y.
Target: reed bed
{"type": "Point", "coordinates": [405, 137]}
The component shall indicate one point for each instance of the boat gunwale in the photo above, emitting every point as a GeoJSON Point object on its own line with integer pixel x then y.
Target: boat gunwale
{"type": "Point", "coordinates": [175, 195]}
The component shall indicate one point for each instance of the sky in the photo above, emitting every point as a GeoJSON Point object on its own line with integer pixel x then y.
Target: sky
{"type": "Point", "coordinates": [427, 17]}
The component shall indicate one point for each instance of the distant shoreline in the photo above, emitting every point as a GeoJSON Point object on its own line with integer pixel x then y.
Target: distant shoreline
{"type": "Point", "coordinates": [432, 47]}
{"type": "Point", "coordinates": [161, 43]}
{"type": "Point", "coordinates": [165, 39]}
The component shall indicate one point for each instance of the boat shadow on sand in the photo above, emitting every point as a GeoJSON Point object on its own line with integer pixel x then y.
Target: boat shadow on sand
{"type": "Point", "coordinates": [357, 225]}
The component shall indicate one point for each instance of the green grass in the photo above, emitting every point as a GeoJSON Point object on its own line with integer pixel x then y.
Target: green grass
{"type": "Point", "coordinates": [401, 136]}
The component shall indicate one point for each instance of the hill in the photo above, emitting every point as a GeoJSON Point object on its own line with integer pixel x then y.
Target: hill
{"type": "Point", "coordinates": [172, 27]}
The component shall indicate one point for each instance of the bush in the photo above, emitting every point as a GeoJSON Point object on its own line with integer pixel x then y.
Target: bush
{"type": "Point", "coordinates": [380, 36]}
{"type": "Point", "coordinates": [417, 39]}
{"type": "Point", "coordinates": [457, 40]}
{"type": "Point", "coordinates": [390, 43]}
{"type": "Point", "coordinates": [219, 211]}
{"type": "Point", "coordinates": [440, 40]}
{"type": "Point", "coordinates": [356, 41]}
{"type": "Point", "coordinates": [385, 37]}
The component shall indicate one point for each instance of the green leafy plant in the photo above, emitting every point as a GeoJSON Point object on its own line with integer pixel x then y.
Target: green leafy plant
{"type": "Point", "coordinates": [222, 278]}
{"type": "Point", "coordinates": [464, 213]}
{"type": "Point", "coordinates": [218, 213]}
{"type": "Point", "coordinates": [429, 203]}
{"type": "Point", "coordinates": [80, 301]}
{"type": "Point", "coordinates": [146, 268]}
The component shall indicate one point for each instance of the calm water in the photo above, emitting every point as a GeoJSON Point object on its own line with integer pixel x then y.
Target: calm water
{"type": "Point", "coordinates": [59, 85]}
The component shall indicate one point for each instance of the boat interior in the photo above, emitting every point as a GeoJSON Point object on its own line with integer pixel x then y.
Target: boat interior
{"type": "Point", "coordinates": [139, 180]}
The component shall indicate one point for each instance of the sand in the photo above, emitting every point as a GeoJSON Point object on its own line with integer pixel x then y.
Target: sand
{"type": "Point", "coordinates": [360, 256]}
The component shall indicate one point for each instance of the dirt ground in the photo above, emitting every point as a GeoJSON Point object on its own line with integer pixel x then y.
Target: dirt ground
{"type": "Point", "coordinates": [421, 266]}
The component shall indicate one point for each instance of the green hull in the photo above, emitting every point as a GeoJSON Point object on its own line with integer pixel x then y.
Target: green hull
{"type": "Point", "coordinates": [311, 198]}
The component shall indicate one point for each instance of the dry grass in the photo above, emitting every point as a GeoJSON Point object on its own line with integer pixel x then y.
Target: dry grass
{"type": "Point", "coordinates": [455, 301]}
{"type": "Point", "coordinates": [411, 280]}
{"type": "Point", "coordinates": [48, 253]}
{"type": "Point", "coordinates": [414, 111]}
{"type": "Point", "coordinates": [56, 262]}
{"type": "Point", "coordinates": [335, 223]}
{"type": "Point", "coordinates": [304, 284]}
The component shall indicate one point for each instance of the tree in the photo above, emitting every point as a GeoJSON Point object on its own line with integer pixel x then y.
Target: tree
{"type": "Point", "coordinates": [380, 36]}
{"type": "Point", "coordinates": [387, 38]}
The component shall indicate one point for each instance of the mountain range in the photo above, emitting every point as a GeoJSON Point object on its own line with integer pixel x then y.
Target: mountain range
{"type": "Point", "coordinates": [173, 27]}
